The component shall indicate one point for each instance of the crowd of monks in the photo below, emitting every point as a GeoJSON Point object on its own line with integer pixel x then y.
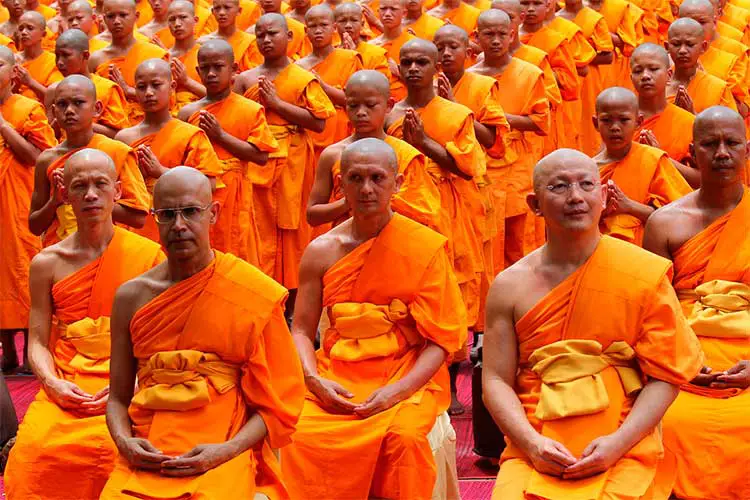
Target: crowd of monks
{"type": "Point", "coordinates": [247, 243]}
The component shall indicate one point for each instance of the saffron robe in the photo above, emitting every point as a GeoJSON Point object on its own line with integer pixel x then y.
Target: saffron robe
{"type": "Point", "coordinates": [249, 15]}
{"type": "Point", "coordinates": [384, 299]}
{"type": "Point", "coordinates": [673, 128]}
{"type": "Point", "coordinates": [643, 318]}
{"type": "Point", "coordinates": [393, 48]}
{"type": "Point", "coordinates": [114, 103]}
{"type": "Point", "coordinates": [728, 67]}
{"type": "Point", "coordinates": [426, 26]}
{"type": "Point", "coordinates": [43, 70]}
{"type": "Point", "coordinates": [8, 42]}
{"type": "Point", "coordinates": [183, 97]}
{"type": "Point", "coordinates": [729, 31]}
{"type": "Point", "coordinates": [61, 453]}
{"type": "Point", "coordinates": [374, 57]}
{"type": "Point", "coordinates": [145, 13]}
{"type": "Point", "coordinates": [623, 19]}
{"type": "Point", "coordinates": [464, 16]}
{"type": "Point", "coordinates": [706, 90]}
{"type": "Point", "coordinates": [226, 322]}
{"type": "Point", "coordinates": [246, 52]}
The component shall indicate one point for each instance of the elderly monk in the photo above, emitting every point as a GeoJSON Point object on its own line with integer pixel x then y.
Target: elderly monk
{"type": "Point", "coordinates": [36, 69]}
{"type": "Point", "coordinates": [63, 448]}
{"type": "Point", "coordinates": [379, 380]}
{"type": "Point", "coordinates": [242, 139]}
{"type": "Point", "coordinates": [183, 56]}
{"type": "Point", "coordinates": [217, 388]}
{"type": "Point", "coordinates": [423, 25]}
{"type": "Point", "coordinates": [639, 178]}
{"type": "Point", "coordinates": [81, 16]}
{"type": "Point", "coordinates": [25, 133]}
{"type": "Point", "coordinates": [119, 61]}
{"type": "Point", "coordinates": [348, 17]}
{"type": "Point", "coordinates": [161, 141]}
{"type": "Point", "coordinates": [394, 36]}
{"type": "Point", "coordinates": [295, 103]}
{"type": "Point", "coordinates": [75, 107]}
{"type": "Point", "coordinates": [581, 407]}
{"type": "Point", "coordinates": [706, 432]}
{"type": "Point", "coordinates": [245, 49]}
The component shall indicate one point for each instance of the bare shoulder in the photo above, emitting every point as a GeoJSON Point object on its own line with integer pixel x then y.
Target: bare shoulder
{"type": "Point", "coordinates": [513, 278]}
{"type": "Point", "coordinates": [307, 62]}
{"type": "Point", "coordinates": [128, 135]}
{"type": "Point", "coordinates": [332, 153]}
{"type": "Point", "coordinates": [135, 293]}
{"type": "Point", "coordinates": [189, 109]}
{"type": "Point", "coordinates": [325, 250]}
{"type": "Point", "coordinates": [43, 264]}
{"type": "Point", "coordinates": [247, 78]}
{"type": "Point", "coordinates": [47, 156]}
{"type": "Point", "coordinates": [98, 57]}
{"type": "Point", "coordinates": [676, 212]}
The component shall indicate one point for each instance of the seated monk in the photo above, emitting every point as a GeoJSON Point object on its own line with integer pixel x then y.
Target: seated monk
{"type": "Point", "coordinates": [36, 69]}
{"type": "Point", "coordinates": [75, 106]}
{"type": "Point", "coordinates": [242, 139]}
{"type": "Point", "coordinates": [422, 24]}
{"type": "Point", "coordinates": [161, 141]}
{"type": "Point", "coordinates": [639, 178]}
{"type": "Point", "coordinates": [63, 449]}
{"type": "Point", "coordinates": [394, 36]}
{"type": "Point", "coordinates": [183, 56]}
{"type": "Point", "coordinates": [246, 51]}
{"type": "Point", "coordinates": [580, 407]}
{"type": "Point", "coordinates": [348, 17]}
{"type": "Point", "coordinates": [217, 388]}
{"type": "Point", "coordinates": [81, 16]}
{"type": "Point", "coordinates": [706, 430]}
{"type": "Point", "coordinates": [380, 379]}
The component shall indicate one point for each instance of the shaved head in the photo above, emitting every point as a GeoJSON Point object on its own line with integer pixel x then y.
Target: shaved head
{"type": "Point", "coordinates": [493, 17]}
{"type": "Point", "coordinates": [218, 45]}
{"type": "Point", "coordinates": [512, 6]}
{"type": "Point", "coordinates": [82, 6]}
{"type": "Point", "coordinates": [182, 5]}
{"type": "Point", "coordinates": [319, 10]}
{"type": "Point", "coordinates": [370, 79]}
{"type": "Point", "coordinates": [74, 39]}
{"type": "Point", "coordinates": [273, 18]}
{"type": "Point", "coordinates": [89, 159]}
{"type": "Point", "coordinates": [7, 55]}
{"type": "Point", "coordinates": [686, 25]}
{"type": "Point", "coordinates": [183, 181]}
{"type": "Point", "coordinates": [347, 8]}
{"type": "Point", "coordinates": [688, 8]}
{"type": "Point", "coordinates": [451, 30]}
{"type": "Point", "coordinates": [128, 4]}
{"type": "Point", "coordinates": [651, 49]}
{"type": "Point", "coordinates": [616, 96]}
{"type": "Point", "coordinates": [159, 66]}
{"type": "Point", "coordinates": [716, 117]}
{"type": "Point", "coordinates": [82, 82]}
{"type": "Point", "coordinates": [422, 45]}
{"type": "Point", "coordinates": [561, 158]}
{"type": "Point", "coordinates": [34, 17]}
{"type": "Point", "coordinates": [371, 149]}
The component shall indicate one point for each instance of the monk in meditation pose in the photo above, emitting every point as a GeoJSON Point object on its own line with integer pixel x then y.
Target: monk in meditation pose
{"type": "Point", "coordinates": [348, 17]}
{"type": "Point", "coordinates": [705, 235]}
{"type": "Point", "coordinates": [245, 49]}
{"type": "Point", "coordinates": [161, 141]}
{"type": "Point", "coordinates": [217, 388]}
{"type": "Point", "coordinates": [25, 133]}
{"type": "Point", "coordinates": [36, 69]}
{"type": "Point", "coordinates": [639, 178]}
{"type": "Point", "coordinates": [394, 36]}
{"type": "Point", "coordinates": [242, 139]}
{"type": "Point", "coordinates": [75, 107]}
{"type": "Point", "coordinates": [580, 407]}
{"type": "Point", "coordinates": [183, 56]}
{"type": "Point", "coordinates": [63, 449]}
{"type": "Point", "coordinates": [379, 379]}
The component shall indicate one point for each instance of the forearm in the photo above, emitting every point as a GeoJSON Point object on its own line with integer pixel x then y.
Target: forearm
{"type": "Point", "coordinates": [23, 150]}
{"type": "Point", "coordinates": [306, 351]}
{"type": "Point", "coordinates": [640, 211]}
{"type": "Point", "coordinates": [617, 41]}
{"type": "Point", "coordinates": [485, 134]}
{"type": "Point", "coordinates": [323, 213]}
{"type": "Point", "coordinates": [691, 175]}
{"type": "Point", "coordinates": [128, 216]}
{"type": "Point", "coordinates": [602, 58]}
{"type": "Point", "coordinates": [39, 90]}
{"type": "Point", "coordinates": [522, 123]}
{"type": "Point", "coordinates": [41, 360]}
{"type": "Point", "coordinates": [118, 420]}
{"type": "Point", "coordinates": [40, 220]}
{"type": "Point", "coordinates": [427, 364]}
{"type": "Point", "coordinates": [506, 410]}
{"type": "Point", "coordinates": [100, 128]}
{"type": "Point", "coordinates": [440, 155]}
{"type": "Point", "coordinates": [649, 408]}
{"type": "Point", "coordinates": [194, 87]}
{"type": "Point", "coordinates": [248, 436]}
{"type": "Point", "coordinates": [242, 150]}
{"type": "Point", "coordinates": [337, 96]}
{"type": "Point", "coordinates": [299, 116]}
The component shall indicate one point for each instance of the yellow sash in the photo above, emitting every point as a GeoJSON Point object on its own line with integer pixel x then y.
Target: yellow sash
{"type": "Point", "coordinates": [722, 310]}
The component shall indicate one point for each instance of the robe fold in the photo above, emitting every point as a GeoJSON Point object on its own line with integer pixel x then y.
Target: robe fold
{"type": "Point", "coordinates": [464, 16]}
{"type": "Point", "coordinates": [114, 103]}
{"type": "Point", "coordinates": [728, 67]}
{"type": "Point", "coordinates": [385, 300]}
{"type": "Point", "coordinates": [246, 52]}
{"type": "Point", "coordinates": [134, 192]}
{"type": "Point", "coordinates": [643, 334]}
{"type": "Point", "coordinates": [61, 453]}
{"type": "Point", "coordinates": [673, 128]}
{"type": "Point", "coordinates": [183, 97]}
{"type": "Point", "coordinates": [374, 57]}
{"type": "Point", "coordinates": [236, 231]}
{"type": "Point", "coordinates": [8, 42]}
{"type": "Point", "coordinates": [426, 26]}
{"type": "Point", "coordinates": [202, 375]}
{"type": "Point", "coordinates": [393, 48]}
{"type": "Point", "coordinates": [623, 19]}
{"type": "Point", "coordinates": [249, 15]}
{"type": "Point", "coordinates": [27, 117]}
{"type": "Point", "coordinates": [145, 13]}
{"type": "Point", "coordinates": [43, 70]}
{"type": "Point", "coordinates": [706, 90]}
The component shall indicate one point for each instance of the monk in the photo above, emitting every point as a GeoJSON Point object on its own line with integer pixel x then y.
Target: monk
{"type": "Point", "coordinates": [394, 36]}
{"type": "Point", "coordinates": [588, 426]}
{"type": "Point", "coordinates": [379, 380]}
{"type": "Point", "coordinates": [299, 44]}
{"type": "Point", "coordinates": [13, 10]}
{"type": "Point", "coordinates": [183, 56]}
{"type": "Point", "coordinates": [623, 21]}
{"type": "Point", "coordinates": [63, 449]}
{"type": "Point", "coordinates": [245, 49]}
{"type": "Point", "coordinates": [704, 235]}
{"type": "Point", "coordinates": [299, 9]}
{"type": "Point", "coordinates": [157, 29]}
{"type": "Point", "coordinates": [242, 139]}
{"type": "Point", "coordinates": [81, 16]}
{"type": "Point", "coordinates": [25, 133]}
{"type": "Point", "coordinates": [639, 178]}
{"type": "Point", "coordinates": [42, 8]}
{"type": "Point", "coordinates": [348, 17]}
{"type": "Point", "coordinates": [295, 103]}
{"type": "Point", "coordinates": [234, 391]}
{"type": "Point", "coordinates": [422, 24]}
{"type": "Point", "coordinates": [119, 61]}
{"type": "Point", "coordinates": [665, 126]}
{"type": "Point", "coordinates": [75, 106]}
{"type": "Point", "coordinates": [333, 67]}
{"type": "Point", "coordinates": [36, 69]}
{"type": "Point", "coordinates": [457, 12]}
{"type": "Point", "coordinates": [57, 25]}
{"type": "Point", "coordinates": [161, 141]}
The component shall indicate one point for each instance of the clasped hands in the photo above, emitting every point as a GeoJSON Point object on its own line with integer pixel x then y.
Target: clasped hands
{"type": "Point", "coordinates": [335, 398]}
{"type": "Point", "coordinates": [553, 458]}
{"type": "Point", "coordinates": [70, 397]}
{"type": "Point", "coordinates": [141, 454]}
{"type": "Point", "coordinates": [736, 377]}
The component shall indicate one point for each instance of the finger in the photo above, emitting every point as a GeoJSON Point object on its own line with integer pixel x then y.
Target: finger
{"type": "Point", "coordinates": [151, 458]}
{"type": "Point", "coordinates": [183, 462]}
{"type": "Point", "coordinates": [735, 369]}
{"type": "Point", "coordinates": [340, 389]}
{"type": "Point", "coordinates": [581, 465]}
{"type": "Point", "coordinates": [146, 445]}
{"type": "Point", "coordinates": [146, 465]}
{"type": "Point", "coordinates": [343, 403]}
{"type": "Point", "coordinates": [564, 452]}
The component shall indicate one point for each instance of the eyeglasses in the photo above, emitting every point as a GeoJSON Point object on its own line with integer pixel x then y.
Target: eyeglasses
{"type": "Point", "coordinates": [169, 215]}
{"type": "Point", "coordinates": [565, 187]}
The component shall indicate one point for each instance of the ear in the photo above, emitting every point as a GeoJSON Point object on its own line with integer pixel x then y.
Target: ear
{"type": "Point", "coordinates": [235, 69]}
{"type": "Point", "coordinates": [639, 119]}
{"type": "Point", "coordinates": [137, 14]}
{"type": "Point", "coordinates": [85, 55]}
{"type": "Point", "coordinates": [98, 108]}
{"type": "Point", "coordinates": [214, 209]}
{"type": "Point", "coordinates": [691, 150]}
{"type": "Point", "coordinates": [595, 121]}
{"type": "Point", "coordinates": [704, 45]}
{"type": "Point", "coordinates": [605, 195]}
{"type": "Point", "coordinates": [398, 182]}
{"type": "Point", "coordinates": [391, 102]}
{"type": "Point", "coordinates": [670, 72]}
{"type": "Point", "coordinates": [534, 205]}
{"type": "Point", "coordinates": [118, 190]}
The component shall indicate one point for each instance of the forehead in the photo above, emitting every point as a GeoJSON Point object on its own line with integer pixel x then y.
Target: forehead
{"type": "Point", "coordinates": [366, 164]}
{"type": "Point", "coordinates": [363, 90]}
{"type": "Point", "coordinates": [391, 3]}
{"type": "Point", "coordinates": [569, 170]}
{"type": "Point", "coordinates": [64, 45]}
{"type": "Point", "coordinates": [180, 8]}
{"type": "Point", "coordinates": [225, 3]}
{"type": "Point", "coordinates": [448, 35]}
{"type": "Point", "coordinates": [696, 11]}
{"type": "Point", "coordinates": [319, 17]}
{"type": "Point", "coordinates": [70, 90]}
{"type": "Point", "coordinates": [269, 24]}
{"type": "Point", "coordinates": [684, 32]}
{"type": "Point", "coordinates": [29, 19]}
{"type": "Point", "coordinates": [117, 6]}
{"type": "Point", "coordinates": [648, 57]}
{"type": "Point", "coordinates": [153, 72]}
{"type": "Point", "coordinates": [416, 52]}
{"type": "Point", "coordinates": [88, 169]}
{"type": "Point", "coordinates": [179, 194]}
{"type": "Point", "coordinates": [724, 126]}
{"type": "Point", "coordinates": [618, 106]}
{"type": "Point", "coordinates": [347, 9]}
{"type": "Point", "coordinates": [492, 22]}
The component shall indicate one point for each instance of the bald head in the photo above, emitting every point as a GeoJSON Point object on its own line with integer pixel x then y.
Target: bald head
{"type": "Point", "coordinates": [73, 39]}
{"type": "Point", "coordinates": [80, 6]}
{"type": "Point", "coordinates": [651, 49]}
{"type": "Point", "coordinates": [217, 46]}
{"type": "Point", "coordinates": [7, 56]}
{"type": "Point", "coordinates": [32, 16]}
{"type": "Point", "coordinates": [689, 8]}
{"type": "Point", "coordinates": [179, 182]}
{"type": "Point", "coordinates": [686, 26]}
{"type": "Point", "coordinates": [420, 45]}
{"type": "Point", "coordinates": [154, 66]}
{"type": "Point", "coordinates": [182, 6]}
{"type": "Point", "coordinates": [273, 19]}
{"type": "Point", "coordinates": [88, 160]}
{"type": "Point", "coordinates": [348, 8]}
{"type": "Point", "coordinates": [717, 118]}
{"type": "Point", "coordinates": [78, 83]}
{"type": "Point", "coordinates": [369, 150]}
{"type": "Point", "coordinates": [320, 10]}
{"type": "Point", "coordinates": [618, 97]}
{"type": "Point", "coordinates": [117, 4]}
{"type": "Point", "coordinates": [369, 79]}
{"type": "Point", "coordinates": [558, 160]}
{"type": "Point", "coordinates": [493, 17]}
{"type": "Point", "coordinates": [453, 31]}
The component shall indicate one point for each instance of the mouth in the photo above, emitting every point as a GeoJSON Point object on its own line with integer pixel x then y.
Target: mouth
{"type": "Point", "coordinates": [413, 78]}
{"type": "Point", "coordinates": [70, 121]}
{"type": "Point", "coordinates": [92, 209]}
{"type": "Point", "coordinates": [575, 213]}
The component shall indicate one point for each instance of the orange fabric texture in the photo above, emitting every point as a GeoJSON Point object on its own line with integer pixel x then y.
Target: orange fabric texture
{"type": "Point", "coordinates": [623, 19]}
{"type": "Point", "coordinates": [246, 52]}
{"type": "Point", "coordinates": [43, 70]}
{"type": "Point", "coordinates": [464, 16]}
{"type": "Point", "coordinates": [728, 67]}
{"type": "Point", "coordinates": [673, 128]}
{"type": "Point", "coordinates": [115, 110]}
{"type": "Point", "coordinates": [393, 48]}
{"type": "Point", "coordinates": [374, 57]}
{"type": "Point", "coordinates": [707, 90]}
{"type": "Point", "coordinates": [426, 26]}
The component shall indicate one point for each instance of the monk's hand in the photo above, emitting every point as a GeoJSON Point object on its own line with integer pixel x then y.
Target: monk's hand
{"type": "Point", "coordinates": [21, 75]}
{"type": "Point", "coordinates": [381, 400]}
{"type": "Point", "coordinates": [116, 76]}
{"type": "Point", "coordinates": [268, 96]}
{"type": "Point", "coordinates": [705, 377]}
{"type": "Point", "coordinates": [66, 394]}
{"type": "Point", "coordinates": [444, 87]}
{"type": "Point", "coordinates": [737, 377]}
{"type": "Point", "coordinates": [197, 461]}
{"type": "Point", "coordinates": [148, 162]}
{"type": "Point", "coordinates": [648, 138]}
{"type": "Point", "coordinates": [58, 182]}
{"type": "Point", "coordinates": [210, 125]}
{"type": "Point", "coordinates": [179, 74]}
{"type": "Point", "coordinates": [332, 395]}
{"type": "Point", "coordinates": [413, 129]}
{"type": "Point", "coordinates": [140, 453]}
{"type": "Point", "coordinates": [347, 42]}
{"type": "Point", "coordinates": [683, 100]}
{"type": "Point", "coordinates": [393, 66]}
{"type": "Point", "coordinates": [98, 403]}
{"type": "Point", "coordinates": [599, 456]}
{"type": "Point", "coordinates": [157, 41]}
{"type": "Point", "coordinates": [549, 456]}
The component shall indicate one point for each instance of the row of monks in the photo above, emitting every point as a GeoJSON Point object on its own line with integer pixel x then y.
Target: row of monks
{"type": "Point", "coordinates": [179, 180]}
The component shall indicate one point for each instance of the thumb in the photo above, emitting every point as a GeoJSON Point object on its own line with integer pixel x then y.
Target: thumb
{"type": "Point", "coordinates": [195, 451]}
{"type": "Point", "coordinates": [589, 449]}
{"type": "Point", "coordinates": [341, 390]}
{"type": "Point", "coordinates": [562, 449]}
{"type": "Point", "coordinates": [77, 390]}
{"type": "Point", "coordinates": [735, 369]}
{"type": "Point", "coordinates": [146, 445]}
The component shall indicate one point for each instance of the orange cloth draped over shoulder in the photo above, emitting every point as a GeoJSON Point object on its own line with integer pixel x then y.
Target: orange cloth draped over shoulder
{"type": "Point", "coordinates": [43, 70]}
{"type": "Point", "coordinates": [114, 103]}
{"type": "Point", "coordinates": [178, 143]}
{"type": "Point", "coordinates": [299, 45]}
{"type": "Point", "coordinates": [28, 119]}
{"type": "Point", "coordinates": [8, 42]}
{"type": "Point", "coordinates": [236, 231]}
{"type": "Point", "coordinates": [249, 15]}
{"type": "Point", "coordinates": [646, 176]}
{"type": "Point", "coordinates": [706, 90]}
{"type": "Point", "coordinates": [393, 48]}
{"type": "Point", "coordinates": [189, 59]}
{"type": "Point", "coordinates": [134, 192]}
{"type": "Point", "coordinates": [673, 128]}
{"type": "Point", "coordinates": [246, 51]}
{"type": "Point", "coordinates": [206, 21]}
{"type": "Point", "coordinates": [452, 126]}
{"type": "Point", "coordinates": [281, 188]}
{"type": "Point", "coordinates": [426, 26]}
{"type": "Point", "coordinates": [706, 431]}
{"type": "Point", "coordinates": [464, 16]}
{"type": "Point", "coordinates": [728, 67]}
{"type": "Point", "coordinates": [212, 351]}
{"type": "Point", "coordinates": [644, 334]}
{"type": "Point", "coordinates": [60, 452]}
{"type": "Point", "coordinates": [145, 13]}
{"type": "Point", "coordinates": [374, 57]}
{"type": "Point", "coordinates": [623, 19]}
{"type": "Point", "coordinates": [385, 300]}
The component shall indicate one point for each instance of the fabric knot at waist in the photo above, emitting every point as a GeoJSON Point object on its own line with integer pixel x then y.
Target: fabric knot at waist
{"type": "Point", "coordinates": [178, 380]}
{"type": "Point", "coordinates": [83, 346]}
{"type": "Point", "coordinates": [721, 309]}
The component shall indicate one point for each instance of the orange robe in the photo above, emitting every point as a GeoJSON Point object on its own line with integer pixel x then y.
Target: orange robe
{"type": "Point", "coordinates": [230, 357]}
{"type": "Point", "coordinates": [385, 300]}
{"type": "Point", "coordinates": [299, 45]}
{"type": "Point", "coordinates": [673, 128]}
{"type": "Point", "coordinates": [206, 21]}
{"type": "Point", "coordinates": [61, 453]}
{"type": "Point", "coordinates": [236, 231]}
{"type": "Point", "coordinates": [729, 31]}
{"type": "Point", "coordinates": [114, 103]}
{"type": "Point", "coordinates": [393, 47]}
{"type": "Point", "coordinates": [728, 67]}
{"type": "Point", "coordinates": [134, 192]}
{"type": "Point", "coordinates": [8, 42]}
{"type": "Point", "coordinates": [27, 117]}
{"type": "Point", "coordinates": [643, 317]}
{"type": "Point", "coordinates": [145, 13]}
{"type": "Point", "coordinates": [464, 16]}
{"type": "Point", "coordinates": [249, 15]}
{"type": "Point", "coordinates": [43, 70]}
{"type": "Point", "coordinates": [183, 97]}
{"type": "Point", "coordinates": [246, 52]}
{"type": "Point", "coordinates": [282, 187]}
{"type": "Point", "coordinates": [737, 17]}
{"type": "Point", "coordinates": [374, 57]}
{"type": "Point", "coordinates": [646, 176]}
{"type": "Point", "coordinates": [623, 19]}
{"type": "Point", "coordinates": [706, 90]}
{"type": "Point", "coordinates": [426, 26]}
{"type": "Point", "coordinates": [657, 16]}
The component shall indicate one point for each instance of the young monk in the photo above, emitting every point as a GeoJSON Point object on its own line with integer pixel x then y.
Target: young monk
{"type": "Point", "coordinates": [81, 17]}
{"type": "Point", "coordinates": [705, 235]}
{"type": "Point", "coordinates": [157, 29]}
{"type": "Point", "coordinates": [567, 439]}
{"type": "Point", "coordinates": [295, 103]}
{"type": "Point", "coordinates": [14, 9]}
{"type": "Point", "coordinates": [36, 69]}
{"type": "Point", "coordinates": [299, 9]}
{"type": "Point", "coordinates": [245, 49]}
{"type": "Point", "coordinates": [457, 12]}
{"type": "Point", "coordinates": [63, 444]}
{"type": "Point", "coordinates": [161, 141]}
{"type": "Point", "coordinates": [75, 106]}
{"type": "Point", "coordinates": [623, 20]}
{"type": "Point", "coordinates": [25, 133]}
{"type": "Point", "coordinates": [665, 125]}
{"type": "Point", "coordinates": [183, 56]}
{"type": "Point", "coordinates": [348, 17]}
{"type": "Point", "coordinates": [299, 45]}
{"type": "Point", "coordinates": [57, 25]}
{"type": "Point", "coordinates": [394, 36]}
{"type": "Point", "coordinates": [373, 400]}
{"type": "Point", "coordinates": [234, 347]}
{"type": "Point", "coordinates": [422, 24]}
{"type": "Point", "coordinates": [242, 139]}
{"type": "Point", "coordinates": [639, 178]}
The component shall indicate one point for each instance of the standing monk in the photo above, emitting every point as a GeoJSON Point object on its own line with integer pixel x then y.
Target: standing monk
{"type": "Point", "coordinates": [348, 17]}
{"type": "Point", "coordinates": [588, 426]}
{"type": "Point", "coordinates": [36, 69]}
{"type": "Point", "coordinates": [183, 56]}
{"type": "Point", "coordinates": [245, 49]}
{"type": "Point", "coordinates": [299, 45]}
{"type": "Point", "coordinates": [394, 36]}
{"type": "Point", "coordinates": [423, 25]}
{"type": "Point", "coordinates": [705, 235]}
{"type": "Point", "coordinates": [624, 22]}
{"type": "Point", "coordinates": [217, 388]}
{"type": "Point", "coordinates": [457, 12]}
{"type": "Point", "coordinates": [157, 28]}
{"type": "Point", "coordinates": [63, 449]}
{"type": "Point", "coordinates": [379, 379]}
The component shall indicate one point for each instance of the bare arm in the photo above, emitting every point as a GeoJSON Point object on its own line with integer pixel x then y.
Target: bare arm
{"type": "Point", "coordinates": [602, 58]}
{"type": "Point", "coordinates": [485, 134]}
{"type": "Point", "coordinates": [655, 236]}
{"type": "Point", "coordinates": [43, 205]}
{"type": "Point", "coordinates": [22, 149]}
{"type": "Point", "coordinates": [337, 96]}
{"type": "Point", "coordinates": [691, 175]}
{"type": "Point", "coordinates": [128, 216]}
{"type": "Point", "coordinates": [298, 116]}
{"type": "Point", "coordinates": [522, 123]}
{"type": "Point", "coordinates": [100, 128]}
{"type": "Point", "coordinates": [319, 211]}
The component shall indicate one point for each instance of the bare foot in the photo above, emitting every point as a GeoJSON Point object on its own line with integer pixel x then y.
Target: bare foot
{"type": "Point", "coordinates": [456, 408]}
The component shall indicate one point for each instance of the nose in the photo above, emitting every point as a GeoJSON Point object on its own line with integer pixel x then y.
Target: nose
{"type": "Point", "coordinates": [722, 151]}
{"type": "Point", "coordinates": [180, 224]}
{"type": "Point", "coordinates": [575, 194]}
{"type": "Point", "coordinates": [90, 193]}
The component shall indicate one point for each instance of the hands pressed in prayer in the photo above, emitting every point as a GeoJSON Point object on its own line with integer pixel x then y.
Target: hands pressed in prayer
{"type": "Point", "coordinates": [617, 201]}
{"type": "Point", "coordinates": [683, 100]}
{"type": "Point", "coordinates": [148, 162]}
{"type": "Point", "coordinates": [116, 76]}
{"type": "Point", "coordinates": [268, 96]}
{"type": "Point", "coordinates": [141, 454]}
{"type": "Point", "coordinates": [157, 41]}
{"type": "Point", "coordinates": [57, 186]}
{"type": "Point", "coordinates": [413, 129]}
{"type": "Point", "coordinates": [444, 87]}
{"type": "Point", "coordinates": [393, 67]}
{"type": "Point", "coordinates": [648, 138]}
{"type": "Point", "coordinates": [197, 461]}
{"type": "Point", "coordinates": [737, 377]}
{"type": "Point", "coordinates": [179, 74]}
{"type": "Point", "coordinates": [21, 75]}
{"type": "Point", "coordinates": [550, 457]}
{"type": "Point", "coordinates": [329, 394]}
{"type": "Point", "coordinates": [347, 42]}
{"type": "Point", "coordinates": [599, 456]}
{"type": "Point", "coordinates": [380, 400]}
{"type": "Point", "coordinates": [210, 125]}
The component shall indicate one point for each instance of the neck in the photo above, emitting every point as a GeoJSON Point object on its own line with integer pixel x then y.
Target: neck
{"type": "Point", "coordinates": [532, 27]}
{"type": "Point", "coordinates": [323, 52]}
{"type": "Point", "coordinates": [368, 227]}
{"type": "Point", "coordinates": [5, 94]}
{"type": "Point", "coordinates": [227, 31]}
{"type": "Point", "coordinates": [96, 235]}
{"type": "Point", "coordinates": [455, 77]}
{"type": "Point", "coordinates": [183, 269]}
{"type": "Point", "coordinates": [414, 15]}
{"type": "Point", "coordinates": [160, 20]}
{"type": "Point", "coordinates": [574, 6]}
{"type": "Point", "coordinates": [720, 196]}
{"type": "Point", "coordinates": [219, 96]}
{"type": "Point", "coordinates": [125, 42]}
{"type": "Point", "coordinates": [452, 4]}
{"type": "Point", "coordinates": [158, 118]}
{"type": "Point", "coordinates": [420, 97]}
{"type": "Point", "coordinates": [653, 105]}
{"type": "Point", "coordinates": [572, 248]}
{"type": "Point", "coordinates": [684, 74]}
{"type": "Point", "coordinates": [618, 154]}
{"type": "Point", "coordinates": [33, 52]}
{"type": "Point", "coordinates": [515, 44]}
{"type": "Point", "coordinates": [80, 139]}
{"type": "Point", "coordinates": [394, 32]}
{"type": "Point", "coordinates": [281, 62]}
{"type": "Point", "coordinates": [185, 44]}
{"type": "Point", "coordinates": [499, 62]}
{"type": "Point", "coordinates": [378, 133]}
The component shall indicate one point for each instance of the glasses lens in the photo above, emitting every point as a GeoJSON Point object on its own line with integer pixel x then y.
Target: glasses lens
{"type": "Point", "coordinates": [191, 213]}
{"type": "Point", "coordinates": [165, 216]}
